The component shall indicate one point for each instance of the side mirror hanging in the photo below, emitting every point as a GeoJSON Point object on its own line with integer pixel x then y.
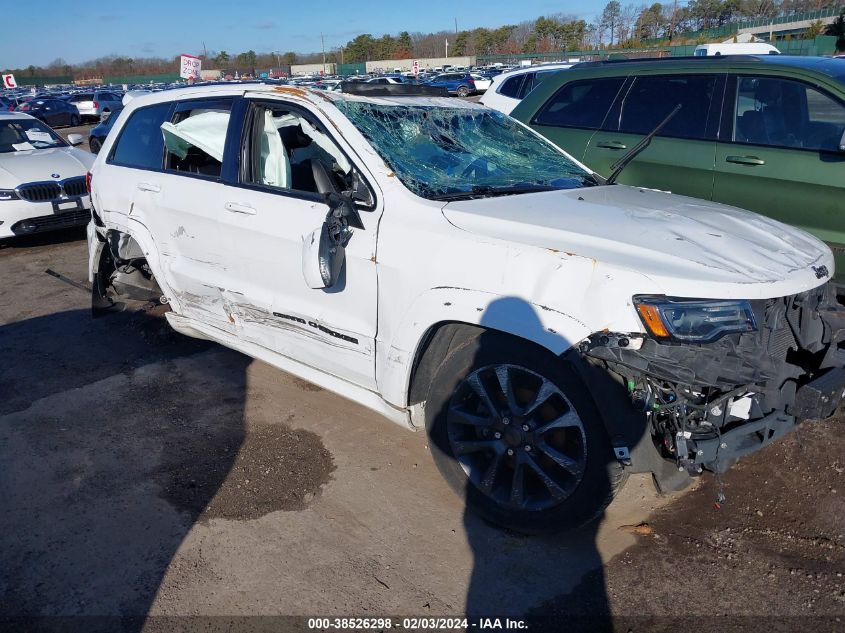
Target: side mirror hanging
{"type": "Point", "coordinates": [324, 250]}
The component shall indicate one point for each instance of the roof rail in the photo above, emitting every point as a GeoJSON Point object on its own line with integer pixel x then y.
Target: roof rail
{"type": "Point", "coordinates": [392, 90]}
{"type": "Point", "coordinates": [632, 60]}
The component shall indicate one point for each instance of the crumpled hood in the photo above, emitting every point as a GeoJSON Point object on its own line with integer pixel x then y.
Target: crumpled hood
{"type": "Point", "coordinates": [687, 247]}
{"type": "Point", "coordinates": [35, 165]}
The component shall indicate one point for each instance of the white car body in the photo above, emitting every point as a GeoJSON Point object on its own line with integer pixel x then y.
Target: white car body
{"type": "Point", "coordinates": [552, 268]}
{"type": "Point", "coordinates": [496, 99]}
{"type": "Point", "coordinates": [49, 186]}
{"type": "Point", "coordinates": [482, 83]}
{"type": "Point", "coordinates": [99, 102]}
{"type": "Point", "coordinates": [735, 48]}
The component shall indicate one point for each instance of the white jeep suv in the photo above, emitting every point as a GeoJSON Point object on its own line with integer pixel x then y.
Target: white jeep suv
{"type": "Point", "coordinates": [445, 266]}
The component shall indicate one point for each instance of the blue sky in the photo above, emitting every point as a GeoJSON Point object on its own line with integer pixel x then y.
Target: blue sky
{"type": "Point", "coordinates": [39, 32]}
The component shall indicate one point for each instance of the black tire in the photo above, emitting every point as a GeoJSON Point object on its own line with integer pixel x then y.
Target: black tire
{"type": "Point", "coordinates": [525, 365]}
{"type": "Point", "coordinates": [74, 120]}
{"type": "Point", "coordinates": [462, 91]}
{"type": "Point", "coordinates": [94, 145]}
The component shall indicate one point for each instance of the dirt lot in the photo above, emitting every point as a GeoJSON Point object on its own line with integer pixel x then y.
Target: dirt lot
{"type": "Point", "coordinates": [142, 472]}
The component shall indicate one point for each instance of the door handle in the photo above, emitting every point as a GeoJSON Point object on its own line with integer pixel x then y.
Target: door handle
{"type": "Point", "coordinates": [235, 207]}
{"type": "Point", "coordinates": [146, 186]}
{"type": "Point", "coordinates": [611, 145]}
{"type": "Point", "coordinates": [745, 160]}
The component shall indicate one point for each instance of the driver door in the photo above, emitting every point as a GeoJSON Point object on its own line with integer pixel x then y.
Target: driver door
{"type": "Point", "coordinates": [263, 221]}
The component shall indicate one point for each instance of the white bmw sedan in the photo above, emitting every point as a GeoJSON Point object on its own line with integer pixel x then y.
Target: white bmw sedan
{"type": "Point", "coordinates": [42, 178]}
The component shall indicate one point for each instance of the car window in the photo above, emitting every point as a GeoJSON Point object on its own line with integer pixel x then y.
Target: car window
{"type": "Point", "coordinates": [195, 137]}
{"type": "Point", "coordinates": [510, 87]}
{"type": "Point", "coordinates": [283, 144]}
{"type": "Point", "coordinates": [582, 104]}
{"type": "Point", "coordinates": [651, 98]}
{"type": "Point", "coordinates": [527, 85]}
{"type": "Point", "coordinates": [787, 113]}
{"type": "Point", "coordinates": [27, 134]}
{"type": "Point", "coordinates": [141, 143]}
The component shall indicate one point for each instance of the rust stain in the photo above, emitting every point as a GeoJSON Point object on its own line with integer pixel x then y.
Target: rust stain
{"type": "Point", "coordinates": [373, 259]}
{"type": "Point", "coordinates": [391, 175]}
{"type": "Point", "coordinates": [291, 90]}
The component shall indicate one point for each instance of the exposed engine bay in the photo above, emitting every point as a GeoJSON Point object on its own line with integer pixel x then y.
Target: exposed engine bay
{"type": "Point", "coordinates": [709, 404]}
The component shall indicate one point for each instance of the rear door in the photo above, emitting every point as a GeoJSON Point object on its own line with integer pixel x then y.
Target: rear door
{"type": "Point", "coordinates": [681, 158]}
{"type": "Point", "coordinates": [779, 155]}
{"type": "Point", "coordinates": [167, 191]}
{"type": "Point", "coordinates": [184, 196]}
{"type": "Point", "coordinates": [571, 116]}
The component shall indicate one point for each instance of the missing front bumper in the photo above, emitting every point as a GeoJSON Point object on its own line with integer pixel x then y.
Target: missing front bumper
{"type": "Point", "coordinates": [708, 405]}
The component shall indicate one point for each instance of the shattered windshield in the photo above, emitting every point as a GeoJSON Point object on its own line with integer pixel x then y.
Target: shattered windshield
{"type": "Point", "coordinates": [447, 153]}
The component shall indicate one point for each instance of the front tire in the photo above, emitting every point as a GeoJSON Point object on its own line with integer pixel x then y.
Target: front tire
{"type": "Point", "coordinates": [515, 432]}
{"type": "Point", "coordinates": [94, 145]}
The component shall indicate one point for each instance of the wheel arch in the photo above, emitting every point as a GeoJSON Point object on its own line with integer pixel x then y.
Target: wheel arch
{"type": "Point", "coordinates": [443, 318]}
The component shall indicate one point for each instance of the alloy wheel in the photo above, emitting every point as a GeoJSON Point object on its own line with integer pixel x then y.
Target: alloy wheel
{"type": "Point", "coordinates": [517, 437]}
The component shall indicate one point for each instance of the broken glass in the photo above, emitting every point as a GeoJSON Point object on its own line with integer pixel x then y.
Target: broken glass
{"type": "Point", "coordinates": [445, 152]}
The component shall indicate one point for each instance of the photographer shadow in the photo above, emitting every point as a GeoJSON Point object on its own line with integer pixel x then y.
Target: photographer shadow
{"type": "Point", "coordinates": [552, 581]}
{"type": "Point", "coordinates": [107, 462]}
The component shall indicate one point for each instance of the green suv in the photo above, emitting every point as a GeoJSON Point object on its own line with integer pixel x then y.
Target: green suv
{"type": "Point", "coordinates": [762, 133]}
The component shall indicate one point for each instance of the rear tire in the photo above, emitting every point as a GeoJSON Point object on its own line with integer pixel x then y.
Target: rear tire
{"type": "Point", "coordinates": [462, 91]}
{"type": "Point", "coordinates": [74, 120]}
{"type": "Point", "coordinates": [542, 462]}
{"type": "Point", "coordinates": [95, 146]}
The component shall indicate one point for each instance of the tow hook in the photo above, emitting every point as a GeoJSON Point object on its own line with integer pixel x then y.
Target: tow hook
{"type": "Point", "coordinates": [623, 455]}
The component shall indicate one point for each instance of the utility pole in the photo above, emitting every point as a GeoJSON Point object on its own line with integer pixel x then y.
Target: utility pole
{"type": "Point", "coordinates": [447, 47]}
{"type": "Point", "coordinates": [323, 42]}
{"type": "Point", "coordinates": [456, 26]}
{"type": "Point", "coordinates": [674, 17]}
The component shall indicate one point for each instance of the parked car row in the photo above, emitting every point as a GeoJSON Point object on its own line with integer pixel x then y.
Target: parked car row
{"type": "Point", "coordinates": [447, 266]}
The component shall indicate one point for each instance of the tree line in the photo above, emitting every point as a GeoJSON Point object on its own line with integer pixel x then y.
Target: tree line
{"type": "Point", "coordinates": [617, 25]}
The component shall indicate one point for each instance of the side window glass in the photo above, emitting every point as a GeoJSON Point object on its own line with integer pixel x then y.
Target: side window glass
{"type": "Point", "coordinates": [287, 149]}
{"type": "Point", "coordinates": [582, 104]}
{"type": "Point", "coordinates": [194, 139]}
{"type": "Point", "coordinates": [651, 99]}
{"type": "Point", "coordinates": [786, 113]}
{"type": "Point", "coordinates": [510, 87]}
{"type": "Point", "coordinates": [140, 143]}
{"type": "Point", "coordinates": [527, 85]}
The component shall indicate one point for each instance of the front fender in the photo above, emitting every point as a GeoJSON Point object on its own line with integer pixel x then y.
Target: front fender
{"type": "Point", "coordinates": [549, 328]}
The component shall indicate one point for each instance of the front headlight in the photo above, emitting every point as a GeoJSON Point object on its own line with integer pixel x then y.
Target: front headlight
{"type": "Point", "coordinates": [694, 320]}
{"type": "Point", "coordinates": [8, 194]}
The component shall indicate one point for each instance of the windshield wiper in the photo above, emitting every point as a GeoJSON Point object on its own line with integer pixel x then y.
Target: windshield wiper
{"type": "Point", "coordinates": [635, 151]}
{"type": "Point", "coordinates": [487, 191]}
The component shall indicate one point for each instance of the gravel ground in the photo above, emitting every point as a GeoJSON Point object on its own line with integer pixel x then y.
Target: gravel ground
{"type": "Point", "coordinates": [145, 473]}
